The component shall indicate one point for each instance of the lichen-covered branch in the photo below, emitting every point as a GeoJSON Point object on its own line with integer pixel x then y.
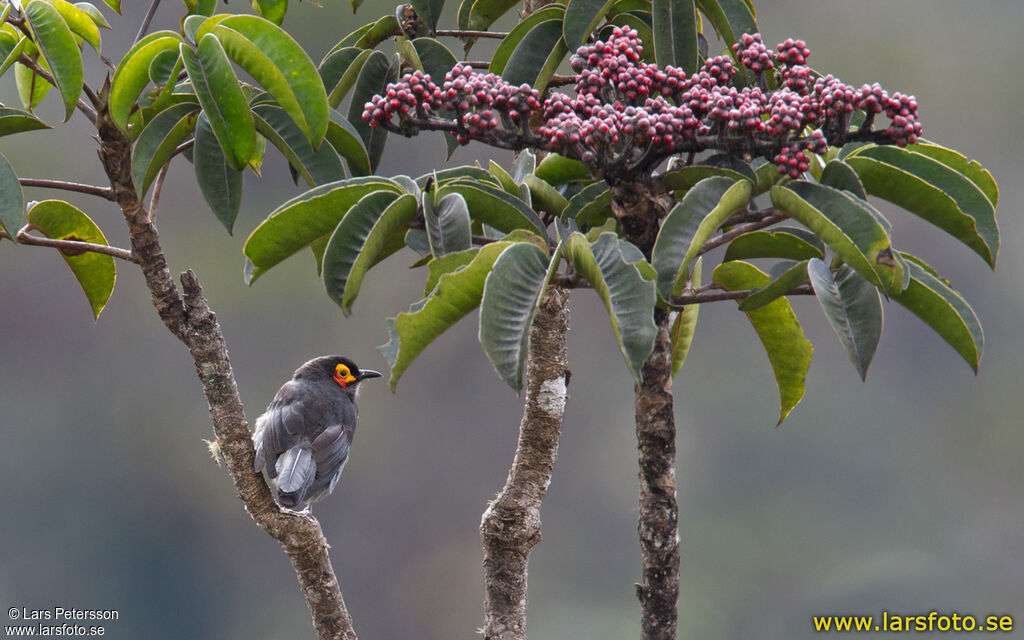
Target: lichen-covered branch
{"type": "Point", "coordinates": [510, 526]}
{"type": "Point", "coordinates": [188, 316]}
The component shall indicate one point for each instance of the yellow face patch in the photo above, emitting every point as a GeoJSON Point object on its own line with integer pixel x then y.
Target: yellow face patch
{"type": "Point", "coordinates": [343, 376]}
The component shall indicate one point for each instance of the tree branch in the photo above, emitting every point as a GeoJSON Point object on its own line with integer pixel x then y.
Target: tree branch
{"type": "Point", "coordinates": [69, 247]}
{"type": "Point", "coordinates": [102, 192]}
{"type": "Point", "coordinates": [771, 217]}
{"type": "Point", "coordinates": [188, 316]}
{"type": "Point", "coordinates": [459, 33]}
{"type": "Point", "coordinates": [86, 110]}
{"type": "Point", "coordinates": [146, 21]}
{"type": "Point", "coordinates": [511, 524]}
{"type": "Point", "coordinates": [158, 185]}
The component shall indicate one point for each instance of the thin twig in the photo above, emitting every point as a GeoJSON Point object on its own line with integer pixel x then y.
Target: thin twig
{"type": "Point", "coordinates": [86, 110]}
{"type": "Point", "coordinates": [728, 236]}
{"type": "Point", "coordinates": [102, 192]}
{"type": "Point", "coordinates": [146, 21]}
{"type": "Point", "coordinates": [459, 33]}
{"type": "Point", "coordinates": [188, 144]}
{"type": "Point", "coordinates": [158, 184]}
{"type": "Point", "coordinates": [70, 247]}
{"type": "Point", "coordinates": [558, 80]}
{"type": "Point", "coordinates": [714, 294]}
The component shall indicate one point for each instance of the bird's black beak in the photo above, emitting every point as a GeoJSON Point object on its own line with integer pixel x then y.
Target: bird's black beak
{"type": "Point", "coordinates": [369, 373]}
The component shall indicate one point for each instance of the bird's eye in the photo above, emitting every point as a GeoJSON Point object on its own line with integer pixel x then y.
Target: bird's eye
{"type": "Point", "coordinates": [341, 371]}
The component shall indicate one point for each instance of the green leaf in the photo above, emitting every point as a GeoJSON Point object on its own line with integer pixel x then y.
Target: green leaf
{"type": "Point", "coordinates": [690, 224]}
{"type": "Point", "coordinates": [57, 45]}
{"type": "Point", "coordinates": [16, 121]}
{"type": "Point", "coordinates": [429, 11]}
{"type": "Point", "coordinates": [220, 184]}
{"type": "Point", "coordinates": [483, 13]}
{"type": "Point", "coordinates": [373, 78]}
{"type": "Point", "coordinates": [455, 295]}
{"type": "Point", "coordinates": [791, 277]}
{"type": "Point", "coordinates": [31, 87]}
{"type": "Point", "coordinates": [11, 47]}
{"type": "Point", "coordinates": [386, 27]}
{"type": "Point", "coordinates": [12, 200]}
{"type": "Point", "coordinates": [512, 293]}
{"type": "Point", "coordinates": [675, 34]}
{"type": "Point", "coordinates": [591, 206]}
{"type": "Point", "coordinates": [684, 326]}
{"type": "Point", "coordinates": [525, 164]}
{"type": "Point", "coordinates": [280, 65]}
{"type": "Point", "coordinates": [445, 264]}
{"type": "Point", "coordinates": [339, 71]}
{"type": "Point", "coordinates": [507, 182]}
{"type": "Point", "coordinates": [447, 223]}
{"type": "Point", "coordinates": [80, 22]}
{"type": "Point", "coordinates": [731, 19]}
{"type": "Point", "coordinates": [853, 309]}
{"type": "Point", "coordinates": [847, 224]}
{"type": "Point", "coordinates": [628, 296]}
{"type": "Point", "coordinates": [114, 4]}
{"type": "Point", "coordinates": [932, 190]}
{"type": "Point", "coordinates": [221, 97]}
{"type": "Point", "coordinates": [455, 173]}
{"type": "Point", "coordinates": [437, 59]}
{"type": "Point", "coordinates": [970, 169]}
{"type": "Point", "coordinates": [359, 239]}
{"type": "Point", "coordinates": [556, 169]}
{"type": "Point", "coordinates": [840, 175]}
{"type": "Point", "coordinates": [537, 56]}
{"type": "Point", "coordinates": [157, 142]}
{"type": "Point", "coordinates": [581, 18]}
{"type": "Point", "coordinates": [781, 242]}
{"type": "Point", "coordinates": [724, 165]}
{"type": "Point", "coordinates": [510, 43]}
{"type": "Point", "coordinates": [94, 271]}
{"type": "Point", "coordinates": [132, 75]}
{"type": "Point", "coordinates": [316, 167]}
{"type": "Point", "coordinates": [165, 68]}
{"type": "Point", "coordinates": [301, 220]}
{"type": "Point", "coordinates": [789, 352]}
{"type": "Point", "coordinates": [945, 311]}
{"type": "Point", "coordinates": [346, 141]}
{"type": "Point", "coordinates": [273, 10]}
{"type": "Point", "coordinates": [544, 197]}
{"type": "Point", "coordinates": [493, 206]}
{"type": "Point", "coordinates": [767, 175]}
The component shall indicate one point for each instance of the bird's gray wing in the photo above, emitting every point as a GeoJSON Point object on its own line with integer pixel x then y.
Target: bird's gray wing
{"type": "Point", "coordinates": [295, 472]}
{"type": "Point", "coordinates": [280, 428]}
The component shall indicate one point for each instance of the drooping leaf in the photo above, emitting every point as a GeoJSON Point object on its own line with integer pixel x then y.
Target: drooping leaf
{"type": "Point", "coordinates": [384, 28]}
{"type": "Point", "coordinates": [157, 142]}
{"type": "Point", "coordinates": [80, 22]}
{"type": "Point", "coordinates": [731, 19]}
{"type": "Point", "coordinates": [57, 45]}
{"type": "Point", "coordinates": [273, 10]}
{"type": "Point", "coordinates": [725, 165]}
{"type": "Point", "coordinates": [790, 277]}
{"type": "Point", "coordinates": [853, 308]}
{"type": "Point", "coordinates": [483, 13]}
{"type": "Point", "coordinates": [456, 294]}
{"type": "Point", "coordinates": [373, 78]}
{"type": "Point", "coordinates": [303, 219]}
{"type": "Point", "coordinates": [511, 42]}
{"type": "Point", "coordinates": [437, 59]}
{"type": "Point", "coordinates": [848, 225]}
{"type": "Point", "coordinates": [94, 14]}
{"type": "Point", "coordinates": [503, 177]}
{"type": "Point", "coordinates": [316, 167]}
{"type": "Point", "coordinates": [685, 324]}
{"type": "Point", "coordinates": [690, 224]}
{"type": "Point", "coordinates": [932, 190]}
{"type": "Point", "coordinates": [223, 101]}
{"type": "Point", "coordinates": [16, 121]}
{"type": "Point", "coordinates": [12, 44]}
{"type": "Point", "coordinates": [581, 18]}
{"type": "Point", "coordinates": [346, 141]}
{"type": "Point", "coordinates": [970, 169]}
{"type": "Point", "coordinates": [429, 11]}
{"type": "Point", "coordinates": [279, 64]}
{"type": "Point", "coordinates": [790, 243]}
{"type": "Point", "coordinates": [220, 184]}
{"type": "Point", "coordinates": [95, 272]}
{"type": "Point", "coordinates": [448, 226]}
{"type": "Point", "coordinates": [493, 206]}
{"type": "Point", "coordinates": [132, 75]}
{"type": "Point", "coordinates": [359, 239]}
{"type": "Point", "coordinates": [544, 197]}
{"type": "Point", "coordinates": [840, 175]}
{"type": "Point", "coordinates": [32, 88]}
{"type": "Point", "coordinates": [437, 267]}
{"type": "Point", "coordinates": [537, 56]}
{"type": "Point", "coordinates": [114, 4]}
{"type": "Point", "coordinates": [165, 68]}
{"type": "Point", "coordinates": [789, 352]}
{"type": "Point", "coordinates": [628, 296]}
{"type": "Point", "coordinates": [512, 292]}
{"type": "Point", "coordinates": [339, 71]}
{"type": "Point", "coordinates": [944, 310]}
{"type": "Point", "coordinates": [675, 33]}
{"type": "Point", "coordinates": [12, 200]}
{"type": "Point", "coordinates": [439, 178]}
{"type": "Point", "coordinates": [525, 164]}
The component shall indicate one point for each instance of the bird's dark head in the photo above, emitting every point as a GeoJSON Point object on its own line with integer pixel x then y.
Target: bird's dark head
{"type": "Point", "coordinates": [345, 373]}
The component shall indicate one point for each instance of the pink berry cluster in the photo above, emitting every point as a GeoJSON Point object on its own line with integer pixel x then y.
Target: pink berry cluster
{"type": "Point", "coordinates": [628, 115]}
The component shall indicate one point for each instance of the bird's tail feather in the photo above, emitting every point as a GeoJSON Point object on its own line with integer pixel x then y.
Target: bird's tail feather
{"type": "Point", "coordinates": [296, 469]}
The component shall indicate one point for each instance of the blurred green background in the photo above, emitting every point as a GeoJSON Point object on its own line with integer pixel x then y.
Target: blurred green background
{"type": "Point", "coordinates": [903, 493]}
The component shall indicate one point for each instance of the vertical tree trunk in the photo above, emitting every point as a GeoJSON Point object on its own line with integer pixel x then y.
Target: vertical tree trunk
{"type": "Point", "coordinates": [510, 526]}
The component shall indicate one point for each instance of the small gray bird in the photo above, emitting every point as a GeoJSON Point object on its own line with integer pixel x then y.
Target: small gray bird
{"type": "Point", "coordinates": [304, 436]}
